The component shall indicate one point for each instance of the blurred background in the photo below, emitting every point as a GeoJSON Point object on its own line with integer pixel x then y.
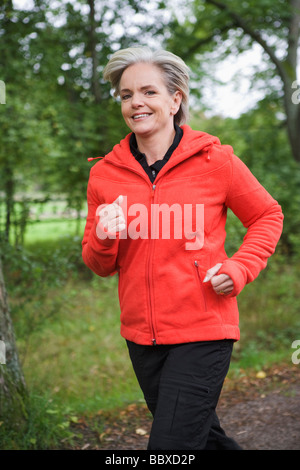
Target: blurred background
{"type": "Point", "coordinates": [65, 357]}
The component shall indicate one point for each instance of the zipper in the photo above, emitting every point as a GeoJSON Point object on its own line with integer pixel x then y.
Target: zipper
{"type": "Point", "coordinates": [149, 277]}
{"type": "Point", "coordinates": [196, 264]}
{"type": "Point", "coordinates": [152, 186]}
{"type": "Point", "coordinates": [146, 178]}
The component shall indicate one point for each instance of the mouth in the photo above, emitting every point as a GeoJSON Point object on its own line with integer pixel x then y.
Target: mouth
{"type": "Point", "coordinates": [141, 116]}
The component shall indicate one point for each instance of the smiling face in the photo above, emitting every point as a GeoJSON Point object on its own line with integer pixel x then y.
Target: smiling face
{"type": "Point", "coordinates": [147, 106]}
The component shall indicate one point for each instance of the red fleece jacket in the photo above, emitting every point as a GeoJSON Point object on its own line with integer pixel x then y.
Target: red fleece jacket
{"type": "Point", "coordinates": [175, 233]}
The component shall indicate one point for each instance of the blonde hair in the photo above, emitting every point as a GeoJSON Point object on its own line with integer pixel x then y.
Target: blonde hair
{"type": "Point", "coordinates": [175, 72]}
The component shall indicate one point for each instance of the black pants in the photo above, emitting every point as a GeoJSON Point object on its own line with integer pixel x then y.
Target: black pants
{"type": "Point", "coordinates": [181, 385]}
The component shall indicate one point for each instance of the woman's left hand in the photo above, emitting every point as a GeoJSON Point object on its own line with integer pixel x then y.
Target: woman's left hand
{"type": "Point", "coordinates": [222, 284]}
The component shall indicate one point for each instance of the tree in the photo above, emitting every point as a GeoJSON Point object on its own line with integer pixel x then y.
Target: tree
{"type": "Point", "coordinates": [95, 83]}
{"type": "Point", "coordinates": [13, 392]}
{"type": "Point", "coordinates": [57, 113]}
{"type": "Point", "coordinates": [25, 139]}
{"type": "Point", "coordinates": [275, 26]}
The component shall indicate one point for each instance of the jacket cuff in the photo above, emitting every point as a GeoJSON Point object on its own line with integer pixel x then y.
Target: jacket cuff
{"type": "Point", "coordinates": [237, 273]}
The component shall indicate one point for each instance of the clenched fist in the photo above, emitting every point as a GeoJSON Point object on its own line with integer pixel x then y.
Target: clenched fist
{"type": "Point", "coordinates": [111, 217]}
{"type": "Point", "coordinates": [222, 284]}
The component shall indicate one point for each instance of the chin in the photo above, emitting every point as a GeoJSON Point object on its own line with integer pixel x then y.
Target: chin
{"type": "Point", "coordinates": [143, 131]}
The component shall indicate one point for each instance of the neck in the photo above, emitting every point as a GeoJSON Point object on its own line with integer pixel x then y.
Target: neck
{"type": "Point", "coordinates": [155, 146]}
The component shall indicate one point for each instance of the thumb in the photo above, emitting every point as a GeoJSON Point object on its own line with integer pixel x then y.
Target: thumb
{"type": "Point", "coordinates": [119, 200]}
{"type": "Point", "coordinates": [212, 272]}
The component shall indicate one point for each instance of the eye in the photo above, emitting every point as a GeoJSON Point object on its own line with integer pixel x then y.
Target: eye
{"type": "Point", "coordinates": [150, 92]}
{"type": "Point", "coordinates": [125, 97]}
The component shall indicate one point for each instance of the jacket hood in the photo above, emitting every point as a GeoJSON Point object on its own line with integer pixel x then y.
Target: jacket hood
{"type": "Point", "coordinates": [192, 142]}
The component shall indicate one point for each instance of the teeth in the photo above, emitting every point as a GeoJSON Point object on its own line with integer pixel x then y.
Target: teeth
{"type": "Point", "coordinates": [140, 116]}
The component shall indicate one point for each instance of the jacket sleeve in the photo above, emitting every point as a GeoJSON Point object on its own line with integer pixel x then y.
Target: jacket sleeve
{"type": "Point", "coordinates": [263, 218]}
{"type": "Point", "coordinates": [99, 247]}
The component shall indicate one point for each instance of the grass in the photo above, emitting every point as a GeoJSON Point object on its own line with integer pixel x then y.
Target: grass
{"type": "Point", "coordinates": [269, 319]}
{"type": "Point", "coordinates": [52, 229]}
{"type": "Point", "coordinates": [78, 355]}
{"type": "Point", "coordinates": [74, 359]}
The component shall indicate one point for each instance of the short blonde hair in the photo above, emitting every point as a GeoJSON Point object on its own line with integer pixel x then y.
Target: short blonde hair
{"type": "Point", "coordinates": [175, 72]}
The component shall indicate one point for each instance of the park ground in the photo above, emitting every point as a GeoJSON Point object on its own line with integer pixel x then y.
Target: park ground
{"type": "Point", "coordinates": [260, 413]}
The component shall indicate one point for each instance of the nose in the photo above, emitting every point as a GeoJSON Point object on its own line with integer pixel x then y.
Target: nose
{"type": "Point", "coordinates": [137, 101]}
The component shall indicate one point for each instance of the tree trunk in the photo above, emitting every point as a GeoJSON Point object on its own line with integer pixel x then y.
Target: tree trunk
{"type": "Point", "coordinates": [92, 45]}
{"type": "Point", "coordinates": [291, 86]}
{"type": "Point", "coordinates": [286, 68]}
{"type": "Point", "coordinates": [13, 392]}
{"type": "Point", "coordinates": [292, 110]}
{"type": "Point", "coordinates": [9, 199]}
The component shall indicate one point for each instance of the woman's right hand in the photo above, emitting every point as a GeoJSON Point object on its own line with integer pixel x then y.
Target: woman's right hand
{"type": "Point", "coordinates": [112, 216]}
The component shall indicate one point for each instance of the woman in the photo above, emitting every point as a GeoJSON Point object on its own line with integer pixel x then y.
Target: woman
{"type": "Point", "coordinates": [156, 215]}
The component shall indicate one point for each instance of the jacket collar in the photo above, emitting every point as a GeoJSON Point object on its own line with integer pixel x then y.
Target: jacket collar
{"type": "Point", "coordinates": [192, 143]}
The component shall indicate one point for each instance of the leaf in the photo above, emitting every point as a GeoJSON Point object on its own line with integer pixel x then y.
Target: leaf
{"type": "Point", "coordinates": [51, 412]}
{"type": "Point", "coordinates": [64, 425]}
{"type": "Point", "coordinates": [74, 419]}
{"type": "Point", "coordinates": [85, 446]}
{"type": "Point", "coordinates": [140, 431]}
{"type": "Point", "coordinates": [261, 374]}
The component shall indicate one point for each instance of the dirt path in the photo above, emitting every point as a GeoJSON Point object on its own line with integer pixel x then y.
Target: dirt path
{"type": "Point", "coordinates": [259, 413]}
{"type": "Point", "coordinates": [271, 422]}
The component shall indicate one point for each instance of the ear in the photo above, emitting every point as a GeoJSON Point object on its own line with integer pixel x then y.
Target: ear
{"type": "Point", "coordinates": [176, 102]}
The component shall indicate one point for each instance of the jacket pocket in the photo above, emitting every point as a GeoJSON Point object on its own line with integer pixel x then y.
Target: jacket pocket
{"type": "Point", "coordinates": [200, 284]}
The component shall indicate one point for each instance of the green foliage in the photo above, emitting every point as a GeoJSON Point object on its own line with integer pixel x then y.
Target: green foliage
{"type": "Point", "coordinates": [204, 26]}
{"type": "Point", "coordinates": [31, 276]}
{"type": "Point", "coordinates": [218, 30]}
{"type": "Point", "coordinates": [67, 325]}
{"type": "Point", "coordinates": [269, 319]}
{"type": "Point", "coordinates": [53, 119]}
{"type": "Point", "coordinates": [66, 319]}
{"type": "Point", "coordinates": [47, 425]}
{"type": "Point", "coordinates": [75, 362]}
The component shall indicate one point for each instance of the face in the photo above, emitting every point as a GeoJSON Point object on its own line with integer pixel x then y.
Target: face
{"type": "Point", "coordinates": [147, 106]}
